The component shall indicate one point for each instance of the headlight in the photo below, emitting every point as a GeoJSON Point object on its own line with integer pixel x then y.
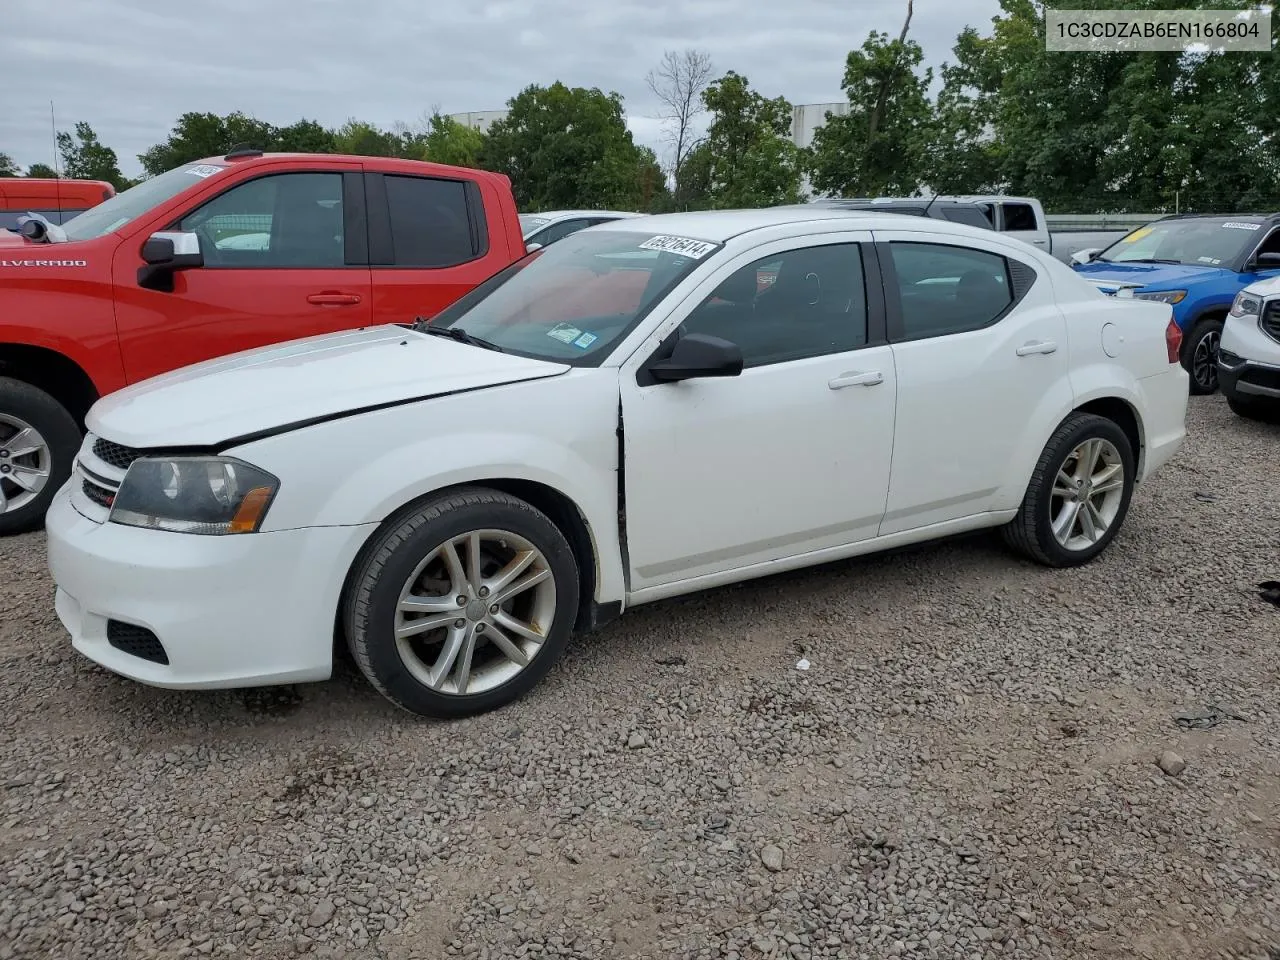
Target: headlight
{"type": "Point", "coordinates": [207, 495]}
{"type": "Point", "coordinates": [1246, 305]}
{"type": "Point", "coordinates": [1164, 296]}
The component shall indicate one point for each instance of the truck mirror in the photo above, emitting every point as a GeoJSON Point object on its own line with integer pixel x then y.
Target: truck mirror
{"type": "Point", "coordinates": [172, 250]}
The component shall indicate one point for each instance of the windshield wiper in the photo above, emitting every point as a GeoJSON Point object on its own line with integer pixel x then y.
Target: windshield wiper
{"type": "Point", "coordinates": [455, 333]}
{"type": "Point", "coordinates": [1151, 260]}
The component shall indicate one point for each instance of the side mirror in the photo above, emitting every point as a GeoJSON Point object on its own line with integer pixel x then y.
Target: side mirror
{"type": "Point", "coordinates": [1268, 261]}
{"type": "Point", "coordinates": [699, 355]}
{"type": "Point", "coordinates": [530, 247]}
{"type": "Point", "coordinates": [1086, 255]}
{"type": "Point", "coordinates": [173, 250]}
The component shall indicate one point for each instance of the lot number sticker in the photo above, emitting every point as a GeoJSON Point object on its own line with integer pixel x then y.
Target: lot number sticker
{"type": "Point", "coordinates": [1241, 226]}
{"type": "Point", "coordinates": [686, 247]}
{"type": "Point", "coordinates": [204, 170]}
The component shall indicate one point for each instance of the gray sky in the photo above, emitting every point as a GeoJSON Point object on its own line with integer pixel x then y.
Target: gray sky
{"type": "Point", "coordinates": [131, 67]}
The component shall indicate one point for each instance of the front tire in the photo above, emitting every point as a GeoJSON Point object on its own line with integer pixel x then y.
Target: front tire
{"type": "Point", "coordinates": [462, 605]}
{"type": "Point", "coordinates": [1200, 355]}
{"type": "Point", "coordinates": [1078, 496]}
{"type": "Point", "coordinates": [38, 443]}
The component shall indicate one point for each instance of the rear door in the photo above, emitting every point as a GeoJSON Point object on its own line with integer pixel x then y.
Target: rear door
{"type": "Point", "coordinates": [430, 241]}
{"type": "Point", "coordinates": [285, 256]}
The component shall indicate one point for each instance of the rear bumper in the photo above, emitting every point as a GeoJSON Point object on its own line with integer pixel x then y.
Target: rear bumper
{"type": "Point", "coordinates": [1165, 397]}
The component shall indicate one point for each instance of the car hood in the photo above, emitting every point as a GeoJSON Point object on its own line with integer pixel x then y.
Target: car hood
{"type": "Point", "coordinates": [1159, 276]}
{"type": "Point", "coordinates": [316, 378]}
{"type": "Point", "coordinates": [1264, 288]}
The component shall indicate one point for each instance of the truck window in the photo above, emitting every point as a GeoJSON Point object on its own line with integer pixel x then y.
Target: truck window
{"type": "Point", "coordinates": [1018, 216]}
{"type": "Point", "coordinates": [429, 222]}
{"type": "Point", "coordinates": [280, 220]}
{"type": "Point", "coordinates": [970, 215]}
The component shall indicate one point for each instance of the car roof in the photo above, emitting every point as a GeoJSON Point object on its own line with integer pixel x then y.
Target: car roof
{"type": "Point", "coordinates": [718, 226]}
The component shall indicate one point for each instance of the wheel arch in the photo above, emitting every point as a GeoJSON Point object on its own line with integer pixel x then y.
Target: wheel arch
{"type": "Point", "coordinates": [1124, 415]}
{"type": "Point", "coordinates": [559, 508]}
{"type": "Point", "coordinates": [53, 372]}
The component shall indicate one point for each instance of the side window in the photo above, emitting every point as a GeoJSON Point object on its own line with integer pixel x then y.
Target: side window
{"type": "Point", "coordinates": [815, 304]}
{"type": "Point", "coordinates": [1269, 245]}
{"type": "Point", "coordinates": [1019, 216]}
{"type": "Point", "coordinates": [558, 231]}
{"type": "Point", "coordinates": [430, 226]}
{"type": "Point", "coordinates": [968, 215]}
{"type": "Point", "coordinates": [282, 220]}
{"type": "Point", "coordinates": [948, 289]}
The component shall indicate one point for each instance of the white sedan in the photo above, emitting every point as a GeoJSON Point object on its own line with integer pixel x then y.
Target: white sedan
{"type": "Point", "coordinates": [642, 410]}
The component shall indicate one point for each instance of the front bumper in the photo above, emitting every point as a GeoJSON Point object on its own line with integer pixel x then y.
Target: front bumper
{"type": "Point", "coordinates": [231, 611]}
{"type": "Point", "coordinates": [1248, 360]}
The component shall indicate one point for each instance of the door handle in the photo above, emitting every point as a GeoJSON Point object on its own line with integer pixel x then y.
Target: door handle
{"type": "Point", "coordinates": [868, 379]}
{"type": "Point", "coordinates": [333, 299]}
{"type": "Point", "coordinates": [1037, 346]}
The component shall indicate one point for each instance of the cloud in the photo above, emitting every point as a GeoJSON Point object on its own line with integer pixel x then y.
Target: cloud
{"type": "Point", "coordinates": [131, 67]}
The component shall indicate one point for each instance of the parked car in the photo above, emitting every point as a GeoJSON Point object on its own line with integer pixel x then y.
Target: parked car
{"type": "Point", "coordinates": [215, 257]}
{"type": "Point", "coordinates": [952, 210]}
{"type": "Point", "coordinates": [623, 416]}
{"type": "Point", "coordinates": [543, 229]}
{"type": "Point", "coordinates": [1197, 264]}
{"type": "Point", "coordinates": [54, 199]}
{"type": "Point", "coordinates": [1249, 353]}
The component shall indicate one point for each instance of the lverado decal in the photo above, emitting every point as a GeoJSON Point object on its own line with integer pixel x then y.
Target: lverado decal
{"type": "Point", "coordinates": [44, 263]}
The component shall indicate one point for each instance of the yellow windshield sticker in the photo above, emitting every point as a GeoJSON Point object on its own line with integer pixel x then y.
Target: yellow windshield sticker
{"type": "Point", "coordinates": [1136, 235]}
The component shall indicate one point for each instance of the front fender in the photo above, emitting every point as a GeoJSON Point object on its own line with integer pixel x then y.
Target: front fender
{"type": "Point", "coordinates": [560, 433]}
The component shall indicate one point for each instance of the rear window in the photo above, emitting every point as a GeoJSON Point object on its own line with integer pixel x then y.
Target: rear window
{"type": "Point", "coordinates": [967, 215]}
{"type": "Point", "coordinates": [430, 222]}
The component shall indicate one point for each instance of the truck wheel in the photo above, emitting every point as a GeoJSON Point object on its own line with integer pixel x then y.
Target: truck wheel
{"type": "Point", "coordinates": [462, 605]}
{"type": "Point", "coordinates": [1200, 355]}
{"type": "Point", "coordinates": [38, 443]}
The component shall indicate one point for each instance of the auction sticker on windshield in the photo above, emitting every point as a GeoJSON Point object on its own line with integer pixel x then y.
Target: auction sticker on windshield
{"type": "Point", "coordinates": [685, 246]}
{"type": "Point", "coordinates": [1241, 226]}
{"type": "Point", "coordinates": [204, 170]}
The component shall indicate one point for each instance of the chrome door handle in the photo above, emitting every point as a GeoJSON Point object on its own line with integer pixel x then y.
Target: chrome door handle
{"type": "Point", "coordinates": [1037, 346]}
{"type": "Point", "coordinates": [868, 379]}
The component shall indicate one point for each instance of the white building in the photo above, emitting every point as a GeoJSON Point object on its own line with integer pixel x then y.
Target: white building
{"type": "Point", "coordinates": [479, 119]}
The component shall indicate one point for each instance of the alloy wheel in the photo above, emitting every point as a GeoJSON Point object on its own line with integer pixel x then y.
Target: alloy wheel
{"type": "Point", "coordinates": [1087, 494]}
{"type": "Point", "coordinates": [26, 463]}
{"type": "Point", "coordinates": [475, 612]}
{"type": "Point", "coordinates": [1204, 360]}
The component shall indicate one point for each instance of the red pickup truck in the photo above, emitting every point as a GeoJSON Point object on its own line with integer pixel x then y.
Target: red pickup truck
{"type": "Point", "coordinates": [215, 257]}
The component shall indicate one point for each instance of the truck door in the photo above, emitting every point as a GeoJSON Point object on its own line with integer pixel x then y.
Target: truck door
{"type": "Point", "coordinates": [285, 256]}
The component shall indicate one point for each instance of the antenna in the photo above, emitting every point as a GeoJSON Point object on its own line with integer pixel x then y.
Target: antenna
{"type": "Point", "coordinates": [930, 204]}
{"type": "Point", "coordinates": [53, 129]}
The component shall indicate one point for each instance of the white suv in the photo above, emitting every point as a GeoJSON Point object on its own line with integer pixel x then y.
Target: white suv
{"type": "Point", "coordinates": [1249, 353]}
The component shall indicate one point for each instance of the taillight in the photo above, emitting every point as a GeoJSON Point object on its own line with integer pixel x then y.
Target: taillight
{"type": "Point", "coordinates": [1173, 341]}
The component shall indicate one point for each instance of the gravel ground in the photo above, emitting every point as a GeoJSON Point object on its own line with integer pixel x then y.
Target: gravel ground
{"type": "Point", "coordinates": [969, 768]}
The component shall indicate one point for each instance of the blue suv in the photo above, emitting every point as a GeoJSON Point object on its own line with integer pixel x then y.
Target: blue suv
{"type": "Point", "coordinates": [1196, 263]}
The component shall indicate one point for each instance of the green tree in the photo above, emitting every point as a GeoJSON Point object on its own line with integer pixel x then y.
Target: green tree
{"type": "Point", "coordinates": [366, 140]}
{"type": "Point", "coordinates": [451, 142]}
{"type": "Point", "coordinates": [7, 167]}
{"type": "Point", "coordinates": [568, 147]}
{"type": "Point", "coordinates": [41, 171]}
{"type": "Point", "coordinates": [880, 147]}
{"type": "Point", "coordinates": [199, 135]}
{"type": "Point", "coordinates": [84, 157]}
{"type": "Point", "coordinates": [305, 136]}
{"type": "Point", "coordinates": [748, 158]}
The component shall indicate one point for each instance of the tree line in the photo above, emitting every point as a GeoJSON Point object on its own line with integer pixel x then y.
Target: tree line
{"type": "Point", "coordinates": [1084, 132]}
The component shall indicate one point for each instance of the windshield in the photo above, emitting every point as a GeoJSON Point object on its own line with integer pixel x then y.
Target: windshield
{"type": "Point", "coordinates": [130, 204]}
{"type": "Point", "coordinates": [573, 301]}
{"type": "Point", "coordinates": [530, 223]}
{"type": "Point", "coordinates": [1203, 241]}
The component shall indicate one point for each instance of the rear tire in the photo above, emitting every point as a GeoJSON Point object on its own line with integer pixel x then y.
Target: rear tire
{"type": "Point", "coordinates": [39, 440]}
{"type": "Point", "coordinates": [431, 621]}
{"type": "Point", "coordinates": [1200, 355]}
{"type": "Point", "coordinates": [1087, 466]}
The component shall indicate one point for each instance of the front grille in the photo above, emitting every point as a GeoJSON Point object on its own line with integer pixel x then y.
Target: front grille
{"type": "Point", "coordinates": [136, 641]}
{"type": "Point", "coordinates": [1270, 321]}
{"type": "Point", "coordinates": [102, 497]}
{"type": "Point", "coordinates": [115, 454]}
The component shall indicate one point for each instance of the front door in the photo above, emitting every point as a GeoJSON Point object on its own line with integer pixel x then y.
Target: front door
{"type": "Point", "coordinates": [980, 347]}
{"type": "Point", "coordinates": [281, 261]}
{"type": "Point", "coordinates": [789, 457]}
